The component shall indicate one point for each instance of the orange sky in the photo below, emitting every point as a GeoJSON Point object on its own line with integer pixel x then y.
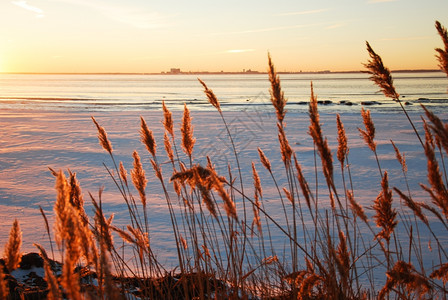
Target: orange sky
{"type": "Point", "coordinates": [154, 36]}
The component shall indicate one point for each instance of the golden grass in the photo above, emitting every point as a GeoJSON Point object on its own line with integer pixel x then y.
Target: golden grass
{"type": "Point", "coordinates": [442, 54]}
{"type": "Point", "coordinates": [328, 253]}
{"type": "Point", "coordinates": [12, 247]}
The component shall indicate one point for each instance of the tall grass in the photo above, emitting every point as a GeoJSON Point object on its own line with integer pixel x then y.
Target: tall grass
{"type": "Point", "coordinates": [223, 229]}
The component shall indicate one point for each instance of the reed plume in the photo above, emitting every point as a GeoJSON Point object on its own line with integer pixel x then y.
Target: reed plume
{"type": "Point", "coordinates": [257, 182]}
{"type": "Point", "coordinates": [229, 205]}
{"type": "Point", "coordinates": [70, 279]}
{"type": "Point", "coordinates": [147, 137]}
{"type": "Point", "coordinates": [62, 190]}
{"type": "Point", "coordinates": [187, 132]}
{"type": "Point", "coordinates": [167, 119]}
{"type": "Point", "coordinates": [342, 141]}
{"type": "Point", "coordinates": [303, 183]}
{"type": "Point", "coordinates": [157, 169]}
{"type": "Point", "coordinates": [442, 55]}
{"type": "Point", "coordinates": [382, 77]}
{"type": "Point", "coordinates": [400, 158]}
{"type": "Point", "coordinates": [308, 284]}
{"type": "Point", "coordinates": [206, 179]}
{"type": "Point", "coordinates": [12, 247]}
{"type": "Point", "coordinates": [139, 178]}
{"type": "Point", "coordinates": [315, 132]}
{"type": "Point", "coordinates": [404, 274]}
{"type": "Point", "coordinates": [123, 174]}
{"type": "Point", "coordinates": [380, 74]}
{"type": "Point", "coordinates": [285, 148]}
{"type": "Point", "coordinates": [415, 207]}
{"type": "Point", "coordinates": [438, 192]}
{"type": "Point", "coordinates": [439, 128]}
{"type": "Point", "coordinates": [210, 96]}
{"type": "Point", "coordinates": [168, 148]}
{"type": "Point", "coordinates": [277, 95]}
{"type": "Point", "coordinates": [385, 214]}
{"type": "Point", "coordinates": [103, 226]}
{"type": "Point", "coordinates": [102, 137]}
{"type": "Point", "coordinates": [368, 134]}
{"type": "Point", "coordinates": [264, 160]}
{"type": "Point", "coordinates": [357, 209]}
{"type": "Point", "coordinates": [257, 194]}
{"type": "Point", "coordinates": [124, 235]}
{"type": "Point", "coordinates": [441, 273]}
{"type": "Point", "coordinates": [342, 256]}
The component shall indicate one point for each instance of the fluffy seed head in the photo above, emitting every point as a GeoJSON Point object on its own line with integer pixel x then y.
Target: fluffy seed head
{"type": "Point", "coordinates": [442, 54]}
{"type": "Point", "coordinates": [102, 137]}
{"type": "Point", "coordinates": [369, 133]}
{"type": "Point", "coordinates": [167, 119]}
{"type": "Point", "coordinates": [12, 247]}
{"type": "Point", "coordinates": [210, 96]}
{"type": "Point", "coordinates": [138, 177]}
{"type": "Point", "coordinates": [187, 132]}
{"type": "Point", "coordinates": [147, 137]}
{"type": "Point", "coordinates": [277, 96]}
{"type": "Point", "coordinates": [380, 74]}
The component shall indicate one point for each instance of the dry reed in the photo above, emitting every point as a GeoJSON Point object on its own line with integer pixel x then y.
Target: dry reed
{"type": "Point", "coordinates": [210, 96]}
{"type": "Point", "coordinates": [285, 148]}
{"type": "Point", "coordinates": [315, 132]}
{"type": "Point", "coordinates": [368, 134]}
{"type": "Point", "coordinates": [168, 148]}
{"type": "Point", "coordinates": [257, 194]}
{"type": "Point", "coordinates": [441, 273]}
{"type": "Point", "coordinates": [400, 157]}
{"type": "Point", "coordinates": [404, 274]}
{"type": "Point", "coordinates": [264, 160]}
{"type": "Point", "coordinates": [415, 207]}
{"type": "Point", "coordinates": [102, 136]}
{"type": "Point", "coordinates": [342, 141]}
{"type": "Point", "coordinates": [167, 119]}
{"type": "Point", "coordinates": [147, 137]}
{"type": "Point", "coordinates": [277, 95]}
{"type": "Point", "coordinates": [12, 247]}
{"type": "Point", "coordinates": [442, 54]}
{"type": "Point", "coordinates": [123, 173]}
{"type": "Point", "coordinates": [139, 178]}
{"type": "Point", "coordinates": [438, 127]}
{"type": "Point", "coordinates": [187, 132]}
{"type": "Point", "coordinates": [380, 74]}
{"type": "Point", "coordinates": [385, 214]}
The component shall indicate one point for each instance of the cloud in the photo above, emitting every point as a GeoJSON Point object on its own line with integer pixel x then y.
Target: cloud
{"type": "Point", "coordinates": [127, 14]}
{"type": "Point", "coordinates": [23, 4]}
{"type": "Point", "coordinates": [410, 38]}
{"type": "Point", "coordinates": [305, 12]}
{"type": "Point", "coordinates": [240, 50]}
{"type": "Point", "coordinates": [268, 29]}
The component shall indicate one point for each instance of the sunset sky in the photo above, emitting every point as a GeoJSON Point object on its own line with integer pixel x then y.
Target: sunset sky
{"type": "Point", "coordinates": [197, 35]}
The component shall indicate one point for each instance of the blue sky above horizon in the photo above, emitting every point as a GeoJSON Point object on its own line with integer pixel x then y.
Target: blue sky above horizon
{"type": "Point", "coordinates": [154, 36]}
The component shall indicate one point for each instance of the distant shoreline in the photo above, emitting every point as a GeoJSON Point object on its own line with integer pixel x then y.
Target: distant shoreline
{"type": "Point", "coordinates": [215, 73]}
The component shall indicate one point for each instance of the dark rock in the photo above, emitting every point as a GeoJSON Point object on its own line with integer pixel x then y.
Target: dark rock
{"type": "Point", "coordinates": [370, 103]}
{"type": "Point", "coordinates": [31, 260]}
{"type": "Point", "coordinates": [324, 102]}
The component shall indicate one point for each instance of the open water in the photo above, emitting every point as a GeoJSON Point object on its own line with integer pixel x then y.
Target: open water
{"type": "Point", "coordinates": [338, 92]}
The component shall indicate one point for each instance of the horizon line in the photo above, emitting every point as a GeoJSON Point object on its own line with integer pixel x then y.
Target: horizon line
{"type": "Point", "coordinates": [248, 72]}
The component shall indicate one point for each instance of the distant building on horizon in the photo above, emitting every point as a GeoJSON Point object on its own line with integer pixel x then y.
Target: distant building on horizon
{"type": "Point", "coordinates": [175, 71]}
